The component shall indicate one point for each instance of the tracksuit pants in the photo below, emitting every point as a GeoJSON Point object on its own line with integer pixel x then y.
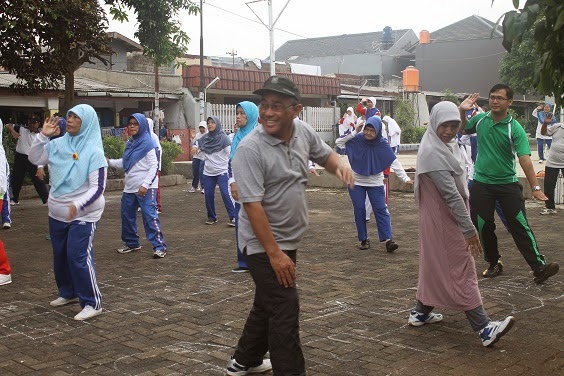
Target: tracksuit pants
{"type": "Point", "coordinates": [148, 204]}
{"type": "Point", "coordinates": [273, 323]}
{"type": "Point", "coordinates": [540, 147]}
{"type": "Point", "coordinates": [550, 180]}
{"type": "Point", "coordinates": [377, 197]}
{"type": "Point", "coordinates": [197, 172]}
{"type": "Point", "coordinates": [4, 262]}
{"type": "Point", "coordinates": [73, 261]}
{"type": "Point", "coordinates": [22, 165]}
{"type": "Point", "coordinates": [510, 196]}
{"type": "Point", "coordinates": [6, 209]}
{"type": "Point", "coordinates": [209, 193]}
{"type": "Point", "coordinates": [241, 258]}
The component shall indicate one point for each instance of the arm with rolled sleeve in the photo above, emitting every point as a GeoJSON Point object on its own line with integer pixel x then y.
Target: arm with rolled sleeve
{"type": "Point", "coordinates": [341, 141]}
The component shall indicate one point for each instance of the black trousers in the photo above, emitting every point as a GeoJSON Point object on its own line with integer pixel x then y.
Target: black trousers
{"type": "Point", "coordinates": [273, 323]}
{"type": "Point", "coordinates": [22, 165]}
{"type": "Point", "coordinates": [510, 197]}
{"type": "Point", "coordinates": [550, 179]}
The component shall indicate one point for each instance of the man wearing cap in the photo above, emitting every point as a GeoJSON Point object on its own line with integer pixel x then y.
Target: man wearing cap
{"type": "Point", "coordinates": [271, 168]}
{"type": "Point", "coordinates": [22, 165]}
{"type": "Point", "coordinates": [370, 109]}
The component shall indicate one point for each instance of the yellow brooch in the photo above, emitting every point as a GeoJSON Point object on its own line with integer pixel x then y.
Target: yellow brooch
{"type": "Point", "coordinates": [75, 156]}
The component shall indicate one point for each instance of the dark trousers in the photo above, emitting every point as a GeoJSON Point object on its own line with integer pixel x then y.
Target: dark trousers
{"type": "Point", "coordinates": [197, 172]}
{"type": "Point", "coordinates": [273, 323]}
{"type": "Point", "coordinates": [22, 165]}
{"type": "Point", "coordinates": [510, 197]}
{"type": "Point", "coordinates": [550, 179]}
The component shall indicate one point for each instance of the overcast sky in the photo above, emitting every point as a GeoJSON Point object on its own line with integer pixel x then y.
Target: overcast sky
{"type": "Point", "coordinates": [231, 25]}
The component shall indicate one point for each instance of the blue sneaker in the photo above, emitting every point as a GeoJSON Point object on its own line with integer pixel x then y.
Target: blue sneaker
{"type": "Point", "coordinates": [236, 369]}
{"type": "Point", "coordinates": [495, 330]}
{"type": "Point", "coordinates": [419, 319]}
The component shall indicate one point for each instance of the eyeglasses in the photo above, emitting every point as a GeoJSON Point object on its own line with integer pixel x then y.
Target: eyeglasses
{"type": "Point", "coordinates": [133, 124]}
{"type": "Point", "coordinates": [494, 98]}
{"type": "Point", "coordinates": [276, 107]}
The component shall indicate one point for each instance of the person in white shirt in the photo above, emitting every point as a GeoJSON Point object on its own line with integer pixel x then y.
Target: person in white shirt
{"type": "Point", "coordinates": [198, 159]}
{"type": "Point", "coordinates": [140, 162]}
{"type": "Point", "coordinates": [22, 165]}
{"type": "Point", "coordinates": [157, 142]}
{"type": "Point", "coordinates": [394, 133]}
{"type": "Point", "coordinates": [217, 149]}
{"type": "Point", "coordinates": [369, 155]}
{"type": "Point", "coordinates": [78, 171]}
{"type": "Point", "coordinates": [5, 269]}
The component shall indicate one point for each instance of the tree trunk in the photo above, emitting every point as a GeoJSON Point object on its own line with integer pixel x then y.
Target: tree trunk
{"type": "Point", "coordinates": [68, 100]}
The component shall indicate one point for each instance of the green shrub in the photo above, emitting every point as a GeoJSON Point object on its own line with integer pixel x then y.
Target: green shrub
{"type": "Point", "coordinates": [113, 147]}
{"type": "Point", "coordinates": [404, 114]}
{"type": "Point", "coordinates": [171, 150]}
{"type": "Point", "coordinates": [412, 135]}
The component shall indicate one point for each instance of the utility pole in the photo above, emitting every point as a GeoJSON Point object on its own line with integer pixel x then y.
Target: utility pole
{"type": "Point", "coordinates": [232, 53]}
{"type": "Point", "coordinates": [156, 125]}
{"type": "Point", "coordinates": [201, 89]}
{"type": "Point", "coordinates": [270, 28]}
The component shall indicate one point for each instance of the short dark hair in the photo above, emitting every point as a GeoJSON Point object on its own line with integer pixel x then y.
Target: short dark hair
{"type": "Point", "coordinates": [508, 90]}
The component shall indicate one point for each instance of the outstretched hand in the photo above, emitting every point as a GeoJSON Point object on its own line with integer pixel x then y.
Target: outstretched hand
{"type": "Point", "coordinates": [468, 103]}
{"type": "Point", "coordinates": [51, 127]}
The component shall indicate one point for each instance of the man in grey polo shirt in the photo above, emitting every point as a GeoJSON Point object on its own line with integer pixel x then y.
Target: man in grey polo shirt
{"type": "Point", "coordinates": [271, 170]}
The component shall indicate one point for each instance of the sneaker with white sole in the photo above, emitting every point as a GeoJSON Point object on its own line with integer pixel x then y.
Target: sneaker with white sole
{"type": "Point", "coordinates": [236, 369]}
{"type": "Point", "coordinates": [5, 279]}
{"type": "Point", "coordinates": [60, 301]}
{"type": "Point", "coordinates": [419, 319]}
{"type": "Point", "coordinates": [548, 211]}
{"type": "Point", "coordinates": [6, 225]}
{"type": "Point", "coordinates": [159, 253]}
{"type": "Point", "coordinates": [495, 330]}
{"type": "Point", "coordinates": [211, 221]}
{"type": "Point", "coordinates": [87, 313]}
{"type": "Point", "coordinates": [192, 190]}
{"type": "Point", "coordinates": [128, 249]}
{"type": "Point", "coordinates": [231, 222]}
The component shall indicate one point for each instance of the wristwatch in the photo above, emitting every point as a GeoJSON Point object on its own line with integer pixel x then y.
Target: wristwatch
{"type": "Point", "coordinates": [536, 188]}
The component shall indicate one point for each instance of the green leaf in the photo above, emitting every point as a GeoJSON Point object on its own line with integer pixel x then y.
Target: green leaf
{"type": "Point", "coordinates": [559, 21]}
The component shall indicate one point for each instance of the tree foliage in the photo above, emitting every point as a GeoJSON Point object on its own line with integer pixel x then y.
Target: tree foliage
{"type": "Point", "coordinates": [450, 97]}
{"type": "Point", "coordinates": [159, 30]}
{"type": "Point", "coordinates": [45, 41]}
{"type": "Point", "coordinates": [546, 19]}
{"type": "Point", "coordinates": [517, 67]}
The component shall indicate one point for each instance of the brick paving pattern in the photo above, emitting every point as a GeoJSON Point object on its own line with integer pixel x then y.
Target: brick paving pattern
{"type": "Point", "coordinates": [182, 315]}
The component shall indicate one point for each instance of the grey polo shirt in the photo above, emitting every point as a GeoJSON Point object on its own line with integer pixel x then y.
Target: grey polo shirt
{"type": "Point", "coordinates": [274, 173]}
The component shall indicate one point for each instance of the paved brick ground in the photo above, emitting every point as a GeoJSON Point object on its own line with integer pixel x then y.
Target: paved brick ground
{"type": "Point", "coordinates": [182, 315]}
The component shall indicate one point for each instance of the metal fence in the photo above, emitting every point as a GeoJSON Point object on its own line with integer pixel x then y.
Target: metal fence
{"type": "Point", "coordinates": [320, 118]}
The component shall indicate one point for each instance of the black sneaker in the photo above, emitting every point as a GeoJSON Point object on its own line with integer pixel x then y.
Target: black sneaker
{"type": "Point", "coordinates": [236, 369]}
{"type": "Point", "coordinates": [493, 271]}
{"type": "Point", "coordinates": [548, 271]}
{"type": "Point", "coordinates": [365, 244]}
{"type": "Point", "coordinates": [391, 246]}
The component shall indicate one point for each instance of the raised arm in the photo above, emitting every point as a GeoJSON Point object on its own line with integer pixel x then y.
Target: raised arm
{"type": "Point", "coordinates": [466, 105]}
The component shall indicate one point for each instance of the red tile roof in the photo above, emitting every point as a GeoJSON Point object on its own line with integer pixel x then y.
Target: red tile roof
{"type": "Point", "coordinates": [250, 80]}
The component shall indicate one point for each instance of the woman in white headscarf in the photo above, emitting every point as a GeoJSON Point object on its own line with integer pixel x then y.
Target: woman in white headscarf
{"type": "Point", "coordinates": [198, 158]}
{"type": "Point", "coordinates": [448, 239]}
{"type": "Point", "coordinates": [347, 122]}
{"type": "Point", "coordinates": [394, 133]}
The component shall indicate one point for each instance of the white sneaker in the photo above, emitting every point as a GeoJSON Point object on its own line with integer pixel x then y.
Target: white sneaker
{"type": "Point", "coordinates": [87, 313]}
{"type": "Point", "coordinates": [5, 279]}
{"type": "Point", "coordinates": [548, 211]}
{"type": "Point", "coordinates": [60, 301]}
{"type": "Point", "coordinates": [6, 225]}
{"type": "Point", "coordinates": [236, 369]}
{"type": "Point", "coordinates": [202, 192]}
{"type": "Point", "coordinates": [495, 330]}
{"type": "Point", "coordinates": [419, 319]}
{"type": "Point", "coordinates": [192, 190]}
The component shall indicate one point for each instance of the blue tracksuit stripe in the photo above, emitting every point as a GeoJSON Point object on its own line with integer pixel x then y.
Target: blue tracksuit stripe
{"type": "Point", "coordinates": [92, 270]}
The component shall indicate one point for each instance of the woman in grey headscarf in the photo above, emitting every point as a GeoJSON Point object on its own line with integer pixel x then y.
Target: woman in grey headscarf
{"type": "Point", "coordinates": [448, 239]}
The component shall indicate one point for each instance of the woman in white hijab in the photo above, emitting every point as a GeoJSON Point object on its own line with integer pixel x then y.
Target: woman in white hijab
{"type": "Point", "coordinates": [347, 122]}
{"type": "Point", "coordinates": [447, 237]}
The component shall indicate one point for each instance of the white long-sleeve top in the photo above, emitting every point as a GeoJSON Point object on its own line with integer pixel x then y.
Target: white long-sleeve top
{"type": "Point", "coordinates": [88, 198]}
{"type": "Point", "coordinates": [375, 180]}
{"type": "Point", "coordinates": [142, 174]}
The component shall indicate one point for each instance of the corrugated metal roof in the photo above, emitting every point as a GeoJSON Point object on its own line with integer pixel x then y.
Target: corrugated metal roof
{"type": "Point", "coordinates": [473, 27]}
{"type": "Point", "coordinates": [82, 84]}
{"type": "Point", "coordinates": [250, 80]}
{"type": "Point", "coordinates": [347, 44]}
